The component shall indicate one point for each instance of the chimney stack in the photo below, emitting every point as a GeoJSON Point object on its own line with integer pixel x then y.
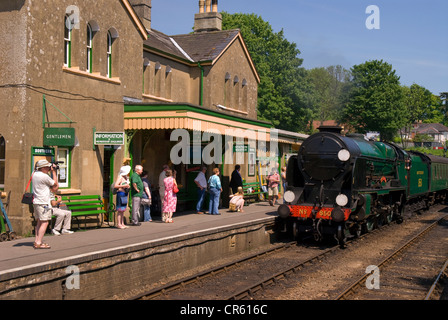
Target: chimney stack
{"type": "Point", "coordinates": [143, 10]}
{"type": "Point", "coordinates": [208, 18]}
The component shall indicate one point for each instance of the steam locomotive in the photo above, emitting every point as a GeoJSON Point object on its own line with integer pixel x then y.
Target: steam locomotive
{"type": "Point", "coordinates": [345, 185]}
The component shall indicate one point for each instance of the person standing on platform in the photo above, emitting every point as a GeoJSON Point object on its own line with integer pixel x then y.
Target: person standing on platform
{"type": "Point", "coordinates": [122, 184]}
{"type": "Point", "coordinates": [42, 183]}
{"type": "Point", "coordinates": [284, 185]}
{"type": "Point", "coordinates": [273, 181]}
{"type": "Point", "coordinates": [146, 197]}
{"type": "Point", "coordinates": [201, 182]}
{"type": "Point", "coordinates": [170, 198]}
{"type": "Point", "coordinates": [162, 177]}
{"type": "Point", "coordinates": [136, 194]}
{"type": "Point", "coordinates": [215, 191]}
{"type": "Point", "coordinates": [236, 180]}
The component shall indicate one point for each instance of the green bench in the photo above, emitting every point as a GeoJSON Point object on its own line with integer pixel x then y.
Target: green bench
{"type": "Point", "coordinates": [82, 206]}
{"type": "Point", "coordinates": [253, 191]}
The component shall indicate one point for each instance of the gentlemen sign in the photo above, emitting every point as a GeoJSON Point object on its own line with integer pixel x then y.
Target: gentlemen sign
{"type": "Point", "coordinates": [61, 137]}
{"type": "Point", "coordinates": [109, 138]}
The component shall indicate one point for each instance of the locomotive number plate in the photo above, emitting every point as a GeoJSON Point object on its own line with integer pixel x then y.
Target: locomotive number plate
{"type": "Point", "coordinates": [306, 211]}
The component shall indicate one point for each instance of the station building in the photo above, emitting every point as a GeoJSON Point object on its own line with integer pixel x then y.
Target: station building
{"type": "Point", "coordinates": [93, 85]}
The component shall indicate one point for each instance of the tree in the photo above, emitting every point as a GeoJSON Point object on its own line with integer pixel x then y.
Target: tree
{"type": "Point", "coordinates": [418, 102]}
{"type": "Point", "coordinates": [330, 85]}
{"type": "Point", "coordinates": [285, 92]}
{"type": "Point", "coordinates": [376, 100]}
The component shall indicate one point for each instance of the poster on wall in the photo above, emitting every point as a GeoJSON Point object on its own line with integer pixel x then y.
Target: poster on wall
{"type": "Point", "coordinates": [251, 164]}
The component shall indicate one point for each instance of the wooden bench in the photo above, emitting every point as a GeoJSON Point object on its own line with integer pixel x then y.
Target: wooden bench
{"type": "Point", "coordinates": [253, 191]}
{"type": "Point", "coordinates": [82, 206]}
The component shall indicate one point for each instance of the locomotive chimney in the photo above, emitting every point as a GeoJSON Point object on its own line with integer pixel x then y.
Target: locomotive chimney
{"type": "Point", "coordinates": [334, 129]}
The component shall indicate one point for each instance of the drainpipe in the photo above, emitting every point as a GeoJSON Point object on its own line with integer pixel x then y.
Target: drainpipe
{"type": "Point", "coordinates": [201, 93]}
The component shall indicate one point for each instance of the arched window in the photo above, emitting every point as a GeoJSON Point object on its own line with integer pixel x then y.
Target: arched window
{"type": "Point", "coordinates": [109, 55]}
{"type": "Point", "coordinates": [2, 161]}
{"type": "Point", "coordinates": [67, 41]}
{"type": "Point", "coordinates": [89, 43]}
{"type": "Point", "coordinates": [112, 52]}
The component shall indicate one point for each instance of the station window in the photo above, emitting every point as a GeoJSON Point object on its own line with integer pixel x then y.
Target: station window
{"type": "Point", "coordinates": [67, 41]}
{"type": "Point", "coordinates": [89, 48]}
{"type": "Point", "coordinates": [63, 155]}
{"type": "Point", "coordinates": [2, 161]}
{"type": "Point", "coordinates": [109, 55]}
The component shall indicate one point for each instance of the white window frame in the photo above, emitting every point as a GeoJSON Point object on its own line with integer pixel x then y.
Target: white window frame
{"type": "Point", "coordinates": [109, 54]}
{"type": "Point", "coordinates": [67, 43]}
{"type": "Point", "coordinates": [89, 48]}
{"type": "Point", "coordinates": [65, 166]}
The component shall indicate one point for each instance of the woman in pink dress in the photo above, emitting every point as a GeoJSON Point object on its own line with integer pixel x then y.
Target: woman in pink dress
{"type": "Point", "coordinates": [170, 198]}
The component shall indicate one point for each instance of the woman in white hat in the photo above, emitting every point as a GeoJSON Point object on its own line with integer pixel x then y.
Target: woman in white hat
{"type": "Point", "coordinates": [122, 185]}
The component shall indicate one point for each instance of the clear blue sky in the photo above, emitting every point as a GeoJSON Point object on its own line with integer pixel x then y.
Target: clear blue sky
{"type": "Point", "coordinates": [413, 34]}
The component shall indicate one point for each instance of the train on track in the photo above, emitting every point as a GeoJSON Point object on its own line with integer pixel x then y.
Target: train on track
{"type": "Point", "coordinates": [346, 185]}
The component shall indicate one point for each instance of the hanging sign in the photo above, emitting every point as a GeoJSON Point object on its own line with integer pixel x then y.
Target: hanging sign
{"type": "Point", "coordinates": [60, 137]}
{"type": "Point", "coordinates": [108, 138]}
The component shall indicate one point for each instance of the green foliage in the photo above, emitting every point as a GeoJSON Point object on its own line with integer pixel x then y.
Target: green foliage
{"type": "Point", "coordinates": [423, 138]}
{"type": "Point", "coordinates": [331, 86]}
{"type": "Point", "coordinates": [436, 152]}
{"type": "Point", "coordinates": [375, 100]}
{"type": "Point", "coordinates": [285, 95]}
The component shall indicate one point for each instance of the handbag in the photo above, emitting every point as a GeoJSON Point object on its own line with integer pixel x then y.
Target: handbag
{"type": "Point", "coordinates": [27, 198]}
{"type": "Point", "coordinates": [175, 189]}
{"type": "Point", "coordinates": [146, 202]}
{"type": "Point", "coordinates": [124, 200]}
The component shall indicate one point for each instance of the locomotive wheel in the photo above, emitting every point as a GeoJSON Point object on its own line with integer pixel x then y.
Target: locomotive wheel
{"type": "Point", "coordinates": [3, 237]}
{"type": "Point", "coordinates": [369, 225]}
{"type": "Point", "coordinates": [355, 230]}
{"type": "Point", "coordinates": [389, 217]}
{"type": "Point", "coordinates": [295, 231]}
{"type": "Point", "coordinates": [340, 236]}
{"type": "Point", "coordinates": [400, 213]}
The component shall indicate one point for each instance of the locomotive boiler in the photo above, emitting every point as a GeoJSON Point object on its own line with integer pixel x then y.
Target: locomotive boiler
{"type": "Point", "coordinates": [345, 185]}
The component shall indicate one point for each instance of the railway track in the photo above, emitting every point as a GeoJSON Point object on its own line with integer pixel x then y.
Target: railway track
{"type": "Point", "coordinates": [270, 266]}
{"type": "Point", "coordinates": [408, 272]}
{"type": "Point", "coordinates": [253, 277]}
{"type": "Point", "coordinates": [213, 284]}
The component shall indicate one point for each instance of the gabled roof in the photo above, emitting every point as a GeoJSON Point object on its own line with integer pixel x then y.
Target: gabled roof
{"type": "Point", "coordinates": [204, 47]}
{"type": "Point", "coordinates": [430, 128]}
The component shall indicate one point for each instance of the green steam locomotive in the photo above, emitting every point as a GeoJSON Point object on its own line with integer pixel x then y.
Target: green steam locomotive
{"type": "Point", "coordinates": [346, 185]}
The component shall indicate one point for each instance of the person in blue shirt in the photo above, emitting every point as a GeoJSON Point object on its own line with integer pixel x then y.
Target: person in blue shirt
{"type": "Point", "coordinates": [215, 191]}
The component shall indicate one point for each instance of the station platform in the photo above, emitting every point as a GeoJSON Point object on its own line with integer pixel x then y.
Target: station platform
{"type": "Point", "coordinates": [18, 258]}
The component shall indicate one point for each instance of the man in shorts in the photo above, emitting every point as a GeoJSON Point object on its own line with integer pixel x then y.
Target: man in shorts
{"type": "Point", "coordinates": [42, 183]}
{"type": "Point", "coordinates": [273, 181]}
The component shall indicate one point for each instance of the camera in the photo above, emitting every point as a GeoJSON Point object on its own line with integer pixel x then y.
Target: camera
{"type": "Point", "coordinates": [56, 164]}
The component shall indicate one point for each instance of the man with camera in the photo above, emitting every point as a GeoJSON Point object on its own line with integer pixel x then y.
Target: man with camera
{"type": "Point", "coordinates": [42, 183]}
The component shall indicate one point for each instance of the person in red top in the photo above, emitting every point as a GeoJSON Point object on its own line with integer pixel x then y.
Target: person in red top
{"type": "Point", "coordinates": [273, 181]}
